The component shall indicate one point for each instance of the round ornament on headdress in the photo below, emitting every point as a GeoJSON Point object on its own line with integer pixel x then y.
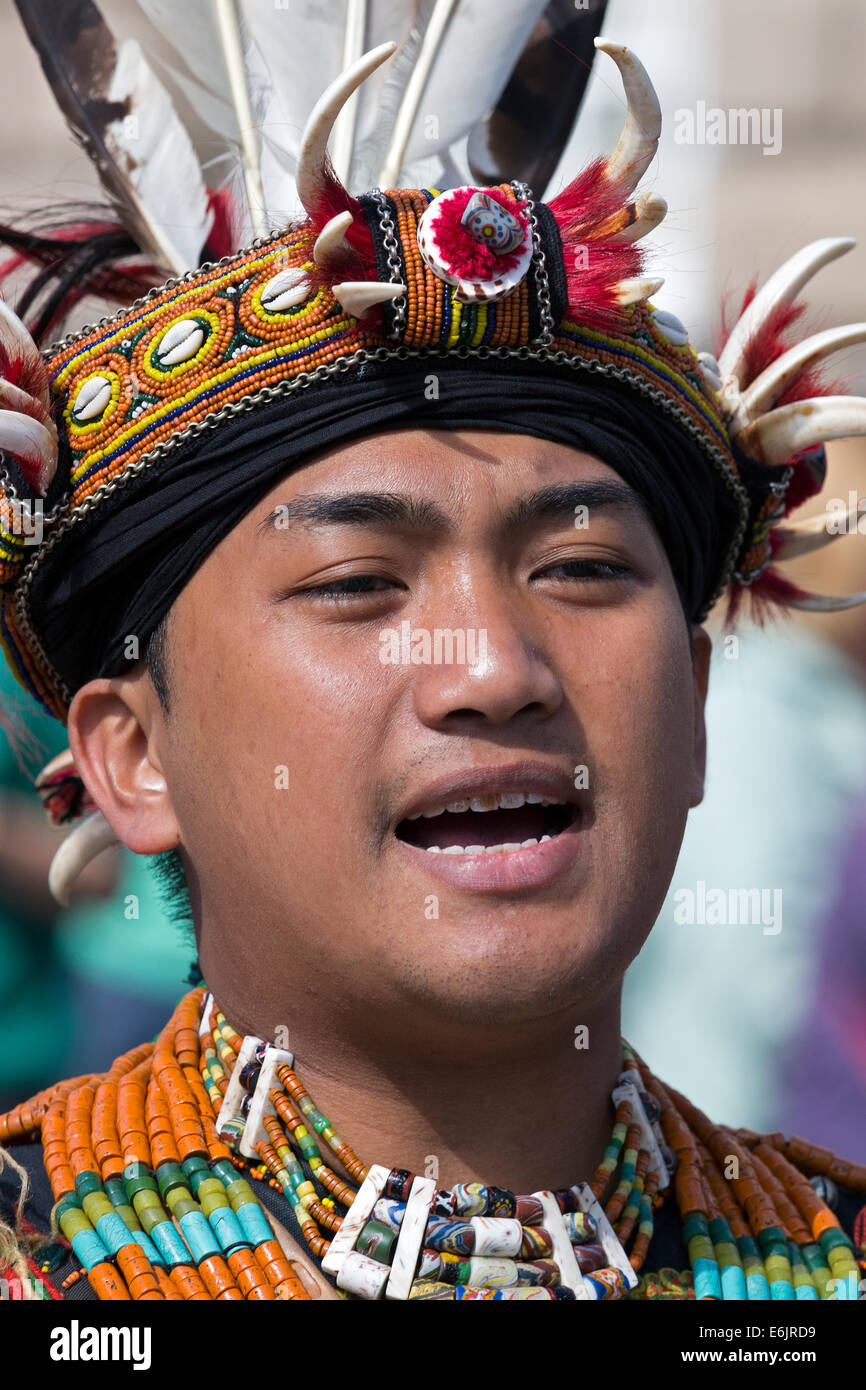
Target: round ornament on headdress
{"type": "Point", "coordinates": [478, 240]}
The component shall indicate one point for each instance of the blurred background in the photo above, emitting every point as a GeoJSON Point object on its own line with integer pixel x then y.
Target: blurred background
{"type": "Point", "coordinates": [764, 1028]}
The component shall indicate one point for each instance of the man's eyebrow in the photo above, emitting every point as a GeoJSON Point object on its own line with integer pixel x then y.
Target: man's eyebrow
{"type": "Point", "coordinates": [357, 509]}
{"type": "Point", "coordinates": [561, 499]}
{"type": "Point", "coordinates": [396, 509]}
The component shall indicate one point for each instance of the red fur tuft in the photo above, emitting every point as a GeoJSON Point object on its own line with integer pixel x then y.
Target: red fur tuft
{"type": "Point", "coordinates": [769, 342]}
{"type": "Point", "coordinates": [594, 264]}
{"type": "Point", "coordinates": [359, 263]}
{"type": "Point", "coordinates": [466, 256]}
{"type": "Point", "coordinates": [805, 482]}
{"type": "Point", "coordinates": [588, 199]}
{"type": "Point", "coordinates": [220, 240]}
{"type": "Point", "coordinates": [767, 599]}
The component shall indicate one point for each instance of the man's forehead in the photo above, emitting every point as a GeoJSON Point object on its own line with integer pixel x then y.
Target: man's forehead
{"type": "Point", "coordinates": [422, 480]}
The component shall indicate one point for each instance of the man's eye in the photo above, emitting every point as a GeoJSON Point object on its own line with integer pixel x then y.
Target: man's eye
{"type": "Point", "coordinates": [586, 569]}
{"type": "Point", "coordinates": [350, 586]}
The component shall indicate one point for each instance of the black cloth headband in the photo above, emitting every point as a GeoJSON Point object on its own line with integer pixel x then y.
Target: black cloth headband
{"type": "Point", "coordinates": [126, 568]}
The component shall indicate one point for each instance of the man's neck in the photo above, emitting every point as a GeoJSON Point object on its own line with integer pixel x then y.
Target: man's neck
{"type": "Point", "coordinates": [525, 1108]}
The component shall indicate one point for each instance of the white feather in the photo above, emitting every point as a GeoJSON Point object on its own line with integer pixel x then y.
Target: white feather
{"type": "Point", "coordinates": [476, 47]}
{"type": "Point", "coordinates": [153, 149]}
{"type": "Point", "coordinates": [461, 52]}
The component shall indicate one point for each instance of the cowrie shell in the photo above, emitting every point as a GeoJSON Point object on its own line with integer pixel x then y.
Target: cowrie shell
{"type": "Point", "coordinates": [670, 327]}
{"type": "Point", "coordinates": [92, 399]}
{"type": "Point", "coordinates": [284, 289]}
{"type": "Point", "coordinates": [179, 343]}
{"type": "Point", "coordinates": [710, 370]}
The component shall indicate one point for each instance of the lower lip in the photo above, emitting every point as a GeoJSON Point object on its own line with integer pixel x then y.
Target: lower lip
{"type": "Point", "coordinates": [508, 871]}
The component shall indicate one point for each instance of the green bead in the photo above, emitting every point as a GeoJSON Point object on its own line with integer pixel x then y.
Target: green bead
{"type": "Point", "coordinates": [96, 1205]}
{"type": "Point", "coordinates": [73, 1221]}
{"type": "Point", "coordinates": [840, 1261]}
{"type": "Point", "coordinates": [180, 1197]}
{"type": "Point", "coordinates": [170, 1175]}
{"type": "Point", "coordinates": [69, 1202]}
{"type": "Point", "coordinates": [695, 1224]}
{"type": "Point", "coordinates": [225, 1170]}
{"type": "Point", "coordinates": [143, 1182]}
{"type": "Point", "coordinates": [86, 1183]}
{"type": "Point", "coordinates": [239, 1192]}
{"type": "Point", "coordinates": [133, 1171]}
{"type": "Point", "coordinates": [150, 1218]}
{"type": "Point", "coordinates": [211, 1185]}
{"type": "Point", "coordinates": [195, 1165]}
{"type": "Point", "coordinates": [308, 1145]}
{"type": "Point", "coordinates": [778, 1267]}
{"type": "Point", "coordinates": [212, 1201]}
{"type": "Point", "coordinates": [832, 1239]}
{"type": "Point", "coordinates": [146, 1201]}
{"type": "Point", "coordinates": [701, 1247]}
{"type": "Point", "coordinates": [127, 1215]}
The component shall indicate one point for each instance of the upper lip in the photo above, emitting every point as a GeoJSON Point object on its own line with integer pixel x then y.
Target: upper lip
{"type": "Point", "coordinates": [513, 777]}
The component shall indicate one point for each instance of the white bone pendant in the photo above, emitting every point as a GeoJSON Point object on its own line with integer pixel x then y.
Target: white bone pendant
{"type": "Point", "coordinates": [410, 1239]}
{"type": "Point", "coordinates": [563, 1251]}
{"type": "Point", "coordinates": [231, 1106]}
{"type": "Point", "coordinates": [627, 1090]}
{"type": "Point", "coordinates": [343, 1241]}
{"type": "Point", "coordinates": [261, 1104]}
{"type": "Point", "coordinates": [607, 1237]}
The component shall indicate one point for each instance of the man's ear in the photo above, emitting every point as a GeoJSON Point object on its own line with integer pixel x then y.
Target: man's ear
{"type": "Point", "coordinates": [116, 730]}
{"type": "Point", "coordinates": [702, 648]}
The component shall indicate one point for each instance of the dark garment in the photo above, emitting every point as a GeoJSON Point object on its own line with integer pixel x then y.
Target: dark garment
{"type": "Point", "coordinates": [666, 1249]}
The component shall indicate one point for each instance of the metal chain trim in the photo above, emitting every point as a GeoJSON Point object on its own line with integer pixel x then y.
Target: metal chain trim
{"type": "Point", "coordinates": [392, 246]}
{"type": "Point", "coordinates": [539, 263]}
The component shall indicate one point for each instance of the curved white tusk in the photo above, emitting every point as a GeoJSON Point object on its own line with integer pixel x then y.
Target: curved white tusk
{"type": "Point", "coordinates": [780, 289]}
{"type": "Point", "coordinates": [650, 210]}
{"type": "Point", "coordinates": [639, 140]}
{"type": "Point", "coordinates": [18, 342]}
{"type": "Point", "coordinates": [64, 762]}
{"type": "Point", "coordinates": [813, 533]}
{"type": "Point", "coordinates": [766, 389]}
{"type": "Point", "coordinates": [332, 237]}
{"type": "Point", "coordinates": [357, 296]}
{"type": "Point", "coordinates": [801, 425]}
{"type": "Point", "coordinates": [826, 603]}
{"type": "Point", "coordinates": [29, 438]}
{"type": "Point", "coordinates": [632, 291]}
{"type": "Point", "coordinates": [23, 404]}
{"type": "Point", "coordinates": [314, 141]}
{"type": "Point", "coordinates": [88, 839]}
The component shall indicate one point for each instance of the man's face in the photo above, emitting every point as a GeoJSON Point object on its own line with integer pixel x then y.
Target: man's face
{"type": "Point", "coordinates": [303, 740]}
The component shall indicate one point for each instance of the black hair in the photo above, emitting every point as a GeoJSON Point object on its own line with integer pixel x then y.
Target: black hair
{"type": "Point", "coordinates": [156, 660]}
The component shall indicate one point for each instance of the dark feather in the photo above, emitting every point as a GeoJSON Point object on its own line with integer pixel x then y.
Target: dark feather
{"type": "Point", "coordinates": [79, 57]}
{"type": "Point", "coordinates": [526, 132]}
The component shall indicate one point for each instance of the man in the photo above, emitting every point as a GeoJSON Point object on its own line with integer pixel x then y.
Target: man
{"type": "Point", "coordinates": [416, 882]}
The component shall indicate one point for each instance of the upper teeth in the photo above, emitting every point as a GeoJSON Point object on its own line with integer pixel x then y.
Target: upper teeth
{"type": "Point", "coordinates": [494, 801]}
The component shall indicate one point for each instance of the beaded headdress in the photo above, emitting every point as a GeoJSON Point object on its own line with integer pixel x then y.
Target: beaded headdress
{"type": "Point", "coordinates": [464, 275]}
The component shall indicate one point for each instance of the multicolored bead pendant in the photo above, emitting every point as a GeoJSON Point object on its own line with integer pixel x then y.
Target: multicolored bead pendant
{"type": "Point", "coordinates": [492, 225]}
{"type": "Point", "coordinates": [471, 239]}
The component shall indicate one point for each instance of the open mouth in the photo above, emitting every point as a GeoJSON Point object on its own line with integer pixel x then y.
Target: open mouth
{"type": "Point", "coordinates": [490, 824]}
